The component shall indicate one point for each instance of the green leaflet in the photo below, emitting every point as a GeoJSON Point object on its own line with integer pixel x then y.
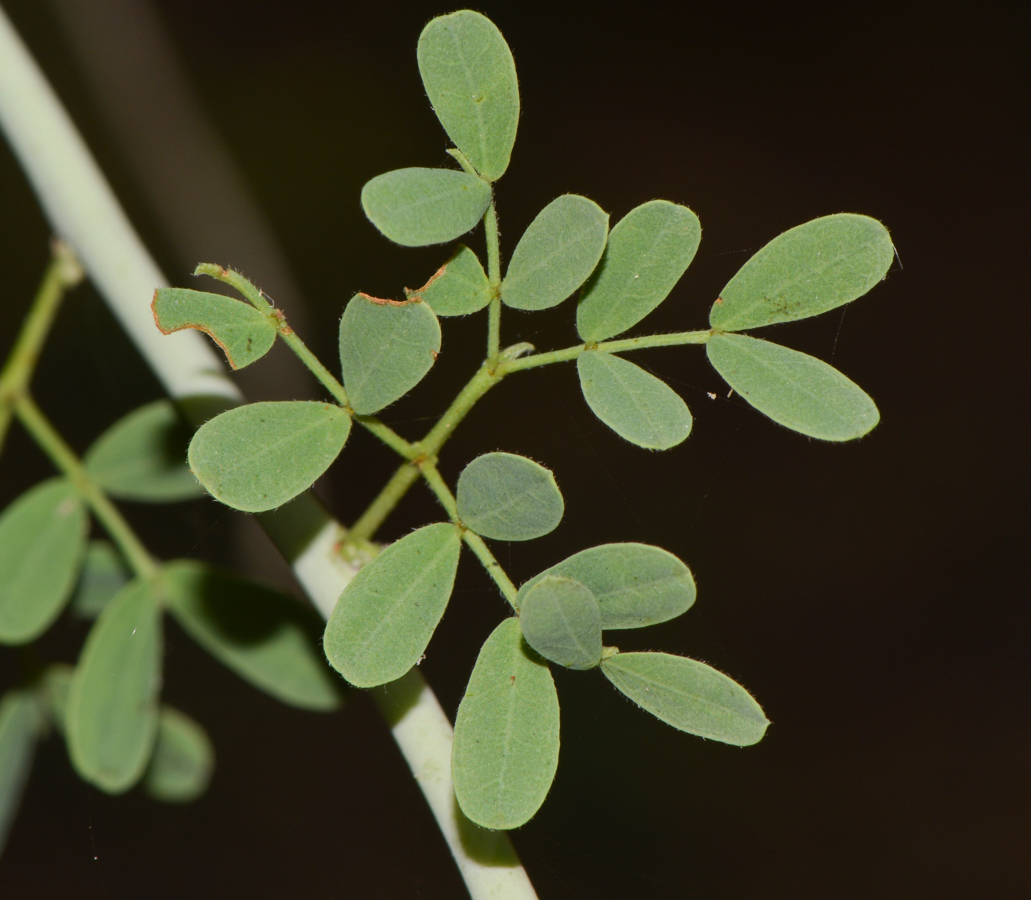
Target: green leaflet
{"type": "Point", "coordinates": [556, 254]}
{"type": "Point", "coordinates": [386, 616]}
{"type": "Point", "coordinates": [143, 456]}
{"type": "Point", "coordinates": [258, 456]}
{"type": "Point", "coordinates": [112, 712]}
{"type": "Point", "coordinates": [244, 333]}
{"type": "Point", "coordinates": [104, 574]}
{"type": "Point", "coordinates": [560, 619]}
{"type": "Point", "coordinates": [688, 695]}
{"type": "Point", "coordinates": [416, 207]}
{"type": "Point", "coordinates": [796, 390]}
{"type": "Point", "coordinates": [806, 271]}
{"type": "Point", "coordinates": [506, 733]}
{"type": "Point", "coordinates": [183, 759]}
{"type": "Point", "coordinates": [57, 684]}
{"type": "Point", "coordinates": [508, 498]}
{"type": "Point", "coordinates": [458, 288]}
{"type": "Point", "coordinates": [386, 348]}
{"type": "Point", "coordinates": [42, 541]}
{"type": "Point", "coordinates": [648, 251]}
{"type": "Point", "coordinates": [470, 78]}
{"type": "Point", "coordinates": [19, 729]}
{"type": "Point", "coordinates": [633, 403]}
{"type": "Point", "coordinates": [264, 636]}
{"type": "Point", "coordinates": [634, 584]}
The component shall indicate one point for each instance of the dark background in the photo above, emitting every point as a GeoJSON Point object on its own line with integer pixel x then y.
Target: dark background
{"type": "Point", "coordinates": [873, 596]}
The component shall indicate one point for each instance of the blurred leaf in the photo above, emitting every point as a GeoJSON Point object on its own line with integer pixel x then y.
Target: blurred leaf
{"type": "Point", "coordinates": [796, 390]}
{"type": "Point", "coordinates": [104, 574]}
{"type": "Point", "coordinates": [19, 729]}
{"type": "Point", "coordinates": [183, 759]}
{"type": "Point", "coordinates": [42, 541]}
{"type": "Point", "coordinates": [688, 695]}
{"type": "Point", "coordinates": [648, 251]}
{"type": "Point", "coordinates": [386, 616]}
{"type": "Point", "coordinates": [470, 78]}
{"type": "Point", "coordinates": [112, 712]}
{"type": "Point", "coordinates": [57, 684]}
{"type": "Point", "coordinates": [560, 619]}
{"type": "Point", "coordinates": [386, 348]}
{"type": "Point", "coordinates": [417, 207]}
{"type": "Point", "coordinates": [508, 498]}
{"type": "Point", "coordinates": [143, 457]}
{"type": "Point", "coordinates": [634, 584]}
{"type": "Point", "coordinates": [458, 288]}
{"type": "Point", "coordinates": [806, 271]}
{"type": "Point", "coordinates": [264, 636]}
{"type": "Point", "coordinates": [633, 403]}
{"type": "Point", "coordinates": [259, 456]}
{"type": "Point", "coordinates": [506, 733]}
{"type": "Point", "coordinates": [556, 254]}
{"type": "Point", "coordinates": [244, 333]}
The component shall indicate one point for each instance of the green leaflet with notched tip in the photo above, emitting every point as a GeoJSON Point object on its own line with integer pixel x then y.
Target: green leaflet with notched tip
{"type": "Point", "coordinates": [806, 271]}
{"type": "Point", "coordinates": [386, 349]}
{"type": "Point", "coordinates": [458, 288]}
{"type": "Point", "coordinates": [688, 695]}
{"type": "Point", "coordinates": [183, 759]}
{"type": "Point", "coordinates": [647, 252]}
{"type": "Point", "coordinates": [798, 391]}
{"type": "Point", "coordinates": [470, 78]}
{"type": "Point", "coordinates": [386, 616]}
{"type": "Point", "coordinates": [259, 456]}
{"type": "Point", "coordinates": [244, 333]}
{"type": "Point", "coordinates": [417, 207]}
{"type": "Point", "coordinates": [508, 498]}
{"type": "Point", "coordinates": [506, 733]}
{"type": "Point", "coordinates": [556, 254]}
{"type": "Point", "coordinates": [634, 584]}
{"type": "Point", "coordinates": [633, 403]}
{"type": "Point", "coordinates": [142, 457]}
{"type": "Point", "coordinates": [112, 712]}
{"type": "Point", "coordinates": [42, 542]}
{"type": "Point", "coordinates": [560, 619]}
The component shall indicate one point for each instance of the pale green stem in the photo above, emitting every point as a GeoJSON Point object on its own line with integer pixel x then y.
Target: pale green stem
{"type": "Point", "coordinates": [507, 367]}
{"type": "Point", "coordinates": [64, 458]}
{"type": "Point", "coordinates": [490, 228]}
{"type": "Point", "coordinates": [475, 388]}
{"type": "Point", "coordinates": [62, 273]}
{"type": "Point", "coordinates": [383, 505]}
{"type": "Point", "coordinates": [474, 541]}
{"type": "Point", "coordinates": [235, 280]}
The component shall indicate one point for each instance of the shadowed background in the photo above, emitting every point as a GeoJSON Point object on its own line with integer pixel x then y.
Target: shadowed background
{"type": "Point", "coordinates": [872, 596]}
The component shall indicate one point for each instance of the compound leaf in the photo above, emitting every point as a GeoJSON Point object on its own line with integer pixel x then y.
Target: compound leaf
{"type": "Point", "coordinates": [647, 252]}
{"type": "Point", "coordinates": [508, 498]}
{"type": "Point", "coordinates": [104, 574]}
{"type": "Point", "coordinates": [19, 730]}
{"type": "Point", "coordinates": [258, 456]}
{"type": "Point", "coordinates": [386, 616]}
{"type": "Point", "coordinates": [143, 456]}
{"type": "Point", "coordinates": [42, 541]}
{"type": "Point", "coordinates": [798, 391]}
{"type": "Point", "coordinates": [633, 403]}
{"type": "Point", "coordinates": [688, 695]}
{"type": "Point", "coordinates": [806, 271]}
{"type": "Point", "coordinates": [416, 207]}
{"type": "Point", "coordinates": [244, 333]}
{"type": "Point", "coordinates": [634, 584]}
{"type": "Point", "coordinates": [112, 712]}
{"type": "Point", "coordinates": [470, 78]}
{"type": "Point", "coordinates": [556, 254]}
{"type": "Point", "coordinates": [264, 636]}
{"type": "Point", "coordinates": [506, 733]}
{"type": "Point", "coordinates": [183, 759]}
{"type": "Point", "coordinates": [386, 348]}
{"type": "Point", "coordinates": [560, 619]}
{"type": "Point", "coordinates": [458, 288]}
